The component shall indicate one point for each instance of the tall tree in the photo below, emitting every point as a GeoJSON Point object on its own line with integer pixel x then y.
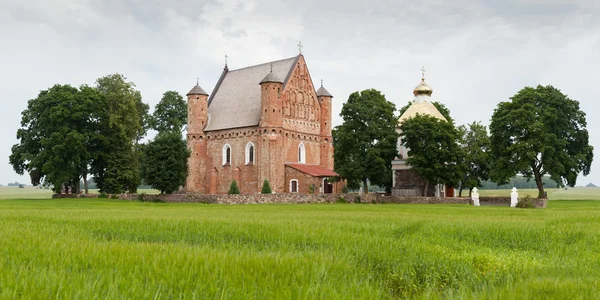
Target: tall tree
{"type": "Point", "coordinates": [433, 150]}
{"type": "Point", "coordinates": [540, 131]}
{"type": "Point", "coordinates": [475, 144]}
{"type": "Point", "coordinates": [122, 123]}
{"type": "Point", "coordinates": [54, 139]}
{"type": "Point", "coordinates": [170, 114]}
{"type": "Point", "coordinates": [165, 160]}
{"type": "Point", "coordinates": [365, 144]}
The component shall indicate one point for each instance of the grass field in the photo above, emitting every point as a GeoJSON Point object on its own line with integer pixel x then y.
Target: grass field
{"type": "Point", "coordinates": [99, 248]}
{"type": "Point", "coordinates": [10, 192]}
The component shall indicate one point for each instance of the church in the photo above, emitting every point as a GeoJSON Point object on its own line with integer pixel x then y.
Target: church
{"type": "Point", "coordinates": [405, 181]}
{"type": "Point", "coordinates": [261, 122]}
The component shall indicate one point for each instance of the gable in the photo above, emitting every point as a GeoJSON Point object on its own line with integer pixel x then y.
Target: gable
{"type": "Point", "coordinates": [235, 102]}
{"type": "Point", "coordinates": [299, 99]}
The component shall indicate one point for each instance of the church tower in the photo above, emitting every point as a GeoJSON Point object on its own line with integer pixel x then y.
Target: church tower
{"type": "Point", "coordinates": [270, 95]}
{"type": "Point", "coordinates": [197, 102]}
{"type": "Point", "coordinates": [325, 98]}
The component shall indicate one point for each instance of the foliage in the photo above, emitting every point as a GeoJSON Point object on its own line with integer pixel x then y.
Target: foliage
{"type": "Point", "coordinates": [54, 138]}
{"type": "Point", "coordinates": [122, 122]}
{"type": "Point", "coordinates": [526, 202]}
{"type": "Point", "coordinates": [170, 114]}
{"type": "Point", "coordinates": [344, 189]}
{"type": "Point", "coordinates": [21, 186]}
{"type": "Point", "coordinates": [357, 199]}
{"type": "Point", "coordinates": [540, 131]}
{"type": "Point", "coordinates": [365, 144]}
{"type": "Point", "coordinates": [440, 107]}
{"type": "Point", "coordinates": [519, 182]}
{"type": "Point", "coordinates": [165, 162]}
{"type": "Point", "coordinates": [311, 188]}
{"type": "Point", "coordinates": [103, 195]}
{"type": "Point", "coordinates": [266, 187]}
{"type": "Point", "coordinates": [341, 199]}
{"type": "Point", "coordinates": [233, 188]}
{"type": "Point", "coordinates": [433, 152]}
{"type": "Point", "coordinates": [475, 144]}
{"type": "Point", "coordinates": [114, 197]}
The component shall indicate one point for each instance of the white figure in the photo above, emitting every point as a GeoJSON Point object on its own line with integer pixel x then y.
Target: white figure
{"type": "Point", "coordinates": [514, 196]}
{"type": "Point", "coordinates": [360, 191]}
{"type": "Point", "coordinates": [475, 197]}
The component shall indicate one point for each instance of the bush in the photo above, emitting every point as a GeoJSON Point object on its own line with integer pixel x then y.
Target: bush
{"type": "Point", "coordinates": [140, 197]}
{"type": "Point", "coordinates": [233, 188]}
{"type": "Point", "coordinates": [357, 199]}
{"type": "Point", "coordinates": [114, 197]}
{"type": "Point", "coordinates": [266, 188]}
{"type": "Point", "coordinates": [345, 189]}
{"type": "Point", "coordinates": [341, 199]}
{"type": "Point", "coordinates": [311, 189]}
{"type": "Point", "coordinates": [526, 202]}
{"type": "Point", "coordinates": [21, 186]}
{"type": "Point", "coordinates": [103, 195]}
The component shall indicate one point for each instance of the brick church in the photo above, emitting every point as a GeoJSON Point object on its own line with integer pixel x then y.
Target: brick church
{"type": "Point", "coordinates": [261, 122]}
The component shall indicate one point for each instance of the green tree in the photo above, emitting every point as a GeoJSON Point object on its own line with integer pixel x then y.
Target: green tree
{"type": "Point", "coordinates": [365, 144]}
{"type": "Point", "coordinates": [165, 164]}
{"type": "Point", "coordinates": [233, 188]}
{"type": "Point", "coordinates": [440, 107]}
{"type": "Point", "coordinates": [540, 131]}
{"type": "Point", "coordinates": [54, 145]}
{"type": "Point", "coordinates": [433, 150]}
{"type": "Point", "coordinates": [475, 144]}
{"type": "Point", "coordinates": [266, 187]}
{"type": "Point", "coordinates": [170, 114]}
{"type": "Point", "coordinates": [121, 124]}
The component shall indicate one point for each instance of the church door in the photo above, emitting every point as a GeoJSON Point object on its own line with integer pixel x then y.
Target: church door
{"type": "Point", "coordinates": [327, 187]}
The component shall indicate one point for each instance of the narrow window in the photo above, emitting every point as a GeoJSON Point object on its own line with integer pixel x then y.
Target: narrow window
{"type": "Point", "coordinates": [301, 154]}
{"type": "Point", "coordinates": [226, 155]}
{"type": "Point", "coordinates": [249, 154]}
{"type": "Point", "coordinates": [293, 186]}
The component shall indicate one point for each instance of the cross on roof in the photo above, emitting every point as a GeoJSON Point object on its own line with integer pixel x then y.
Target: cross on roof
{"type": "Point", "coordinates": [197, 80]}
{"type": "Point", "coordinates": [300, 46]}
{"type": "Point", "coordinates": [423, 72]}
{"type": "Point", "coordinates": [321, 82]}
{"type": "Point", "coordinates": [226, 56]}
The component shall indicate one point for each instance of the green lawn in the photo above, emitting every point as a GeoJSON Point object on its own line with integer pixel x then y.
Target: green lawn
{"type": "Point", "coordinates": [578, 193]}
{"type": "Point", "coordinates": [111, 249]}
{"type": "Point", "coordinates": [10, 192]}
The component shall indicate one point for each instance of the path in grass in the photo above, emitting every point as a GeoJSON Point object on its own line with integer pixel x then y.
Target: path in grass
{"type": "Point", "coordinates": [91, 248]}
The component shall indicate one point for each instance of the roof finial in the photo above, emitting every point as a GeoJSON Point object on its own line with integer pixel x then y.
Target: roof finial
{"type": "Point", "coordinates": [226, 56]}
{"type": "Point", "coordinates": [197, 80]}
{"type": "Point", "coordinates": [321, 82]}
{"type": "Point", "coordinates": [423, 73]}
{"type": "Point", "coordinates": [300, 47]}
{"type": "Point", "coordinates": [271, 67]}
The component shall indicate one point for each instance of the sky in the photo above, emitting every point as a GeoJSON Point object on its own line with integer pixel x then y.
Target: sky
{"type": "Point", "coordinates": [476, 53]}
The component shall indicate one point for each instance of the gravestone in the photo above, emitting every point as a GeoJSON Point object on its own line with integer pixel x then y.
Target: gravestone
{"type": "Point", "coordinates": [514, 197]}
{"type": "Point", "coordinates": [475, 197]}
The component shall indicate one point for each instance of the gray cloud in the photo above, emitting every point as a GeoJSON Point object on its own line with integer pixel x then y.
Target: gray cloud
{"type": "Point", "coordinates": [477, 52]}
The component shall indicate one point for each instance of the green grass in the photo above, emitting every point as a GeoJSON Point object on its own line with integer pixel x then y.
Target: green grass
{"type": "Point", "coordinates": [578, 193]}
{"type": "Point", "coordinates": [99, 248]}
{"type": "Point", "coordinates": [10, 192]}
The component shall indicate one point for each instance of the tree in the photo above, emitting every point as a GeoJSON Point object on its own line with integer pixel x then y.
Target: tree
{"type": "Point", "coordinates": [170, 114]}
{"type": "Point", "coordinates": [365, 144]}
{"type": "Point", "coordinates": [54, 145]}
{"type": "Point", "coordinates": [540, 131]}
{"type": "Point", "coordinates": [121, 124]}
{"type": "Point", "coordinates": [233, 188]}
{"type": "Point", "coordinates": [266, 187]}
{"type": "Point", "coordinates": [433, 150]}
{"type": "Point", "coordinates": [165, 160]}
{"type": "Point", "coordinates": [475, 144]}
{"type": "Point", "coordinates": [440, 107]}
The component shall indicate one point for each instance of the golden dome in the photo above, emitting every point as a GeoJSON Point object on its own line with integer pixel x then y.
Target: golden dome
{"type": "Point", "coordinates": [423, 88]}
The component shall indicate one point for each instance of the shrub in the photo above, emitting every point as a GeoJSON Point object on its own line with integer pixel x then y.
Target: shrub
{"type": "Point", "coordinates": [233, 188]}
{"type": "Point", "coordinates": [357, 199]}
{"type": "Point", "coordinates": [114, 197]}
{"type": "Point", "coordinates": [103, 195]}
{"type": "Point", "coordinates": [21, 186]}
{"type": "Point", "coordinates": [341, 199]}
{"type": "Point", "coordinates": [526, 202]}
{"type": "Point", "coordinates": [311, 188]}
{"type": "Point", "coordinates": [345, 189]}
{"type": "Point", "coordinates": [266, 188]}
{"type": "Point", "coordinates": [140, 197]}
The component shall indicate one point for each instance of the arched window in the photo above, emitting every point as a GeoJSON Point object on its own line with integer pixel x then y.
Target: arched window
{"type": "Point", "coordinates": [249, 154]}
{"type": "Point", "coordinates": [293, 186]}
{"type": "Point", "coordinates": [301, 154]}
{"type": "Point", "coordinates": [226, 155]}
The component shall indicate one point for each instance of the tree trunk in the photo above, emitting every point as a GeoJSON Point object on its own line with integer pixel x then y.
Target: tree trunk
{"type": "Point", "coordinates": [365, 186]}
{"type": "Point", "coordinates": [426, 191]}
{"type": "Point", "coordinates": [470, 191]}
{"type": "Point", "coordinates": [85, 183]}
{"type": "Point", "coordinates": [460, 190]}
{"type": "Point", "coordinates": [538, 182]}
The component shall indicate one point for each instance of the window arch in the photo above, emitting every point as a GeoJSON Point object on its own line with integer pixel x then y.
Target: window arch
{"type": "Point", "coordinates": [301, 153]}
{"type": "Point", "coordinates": [226, 155]}
{"type": "Point", "coordinates": [293, 186]}
{"type": "Point", "coordinates": [250, 153]}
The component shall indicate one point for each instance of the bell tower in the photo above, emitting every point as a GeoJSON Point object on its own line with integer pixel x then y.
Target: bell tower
{"type": "Point", "coordinates": [197, 102]}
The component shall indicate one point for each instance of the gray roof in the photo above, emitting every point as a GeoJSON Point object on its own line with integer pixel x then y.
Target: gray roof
{"type": "Point", "coordinates": [197, 90]}
{"type": "Point", "coordinates": [235, 101]}
{"type": "Point", "coordinates": [323, 92]}
{"type": "Point", "coordinates": [271, 77]}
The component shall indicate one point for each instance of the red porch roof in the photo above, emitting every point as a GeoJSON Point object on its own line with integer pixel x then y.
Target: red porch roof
{"type": "Point", "coordinates": [313, 170]}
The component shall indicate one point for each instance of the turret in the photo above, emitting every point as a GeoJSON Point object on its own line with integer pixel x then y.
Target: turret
{"type": "Point", "coordinates": [271, 104]}
{"type": "Point", "coordinates": [197, 110]}
{"type": "Point", "coordinates": [326, 139]}
{"type": "Point", "coordinates": [197, 117]}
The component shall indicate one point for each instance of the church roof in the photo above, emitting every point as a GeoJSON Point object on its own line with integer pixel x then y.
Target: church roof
{"type": "Point", "coordinates": [313, 170]}
{"type": "Point", "coordinates": [271, 77]}
{"type": "Point", "coordinates": [323, 92]}
{"type": "Point", "coordinates": [235, 101]}
{"type": "Point", "coordinates": [423, 108]}
{"type": "Point", "coordinates": [197, 90]}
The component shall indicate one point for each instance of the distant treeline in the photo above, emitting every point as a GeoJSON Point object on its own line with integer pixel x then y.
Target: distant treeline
{"type": "Point", "coordinates": [520, 183]}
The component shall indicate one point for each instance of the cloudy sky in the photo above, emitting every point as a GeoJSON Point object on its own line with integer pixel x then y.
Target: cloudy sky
{"type": "Point", "coordinates": [477, 53]}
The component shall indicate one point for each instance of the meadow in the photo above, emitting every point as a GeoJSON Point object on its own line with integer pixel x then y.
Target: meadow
{"type": "Point", "coordinates": [101, 248]}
